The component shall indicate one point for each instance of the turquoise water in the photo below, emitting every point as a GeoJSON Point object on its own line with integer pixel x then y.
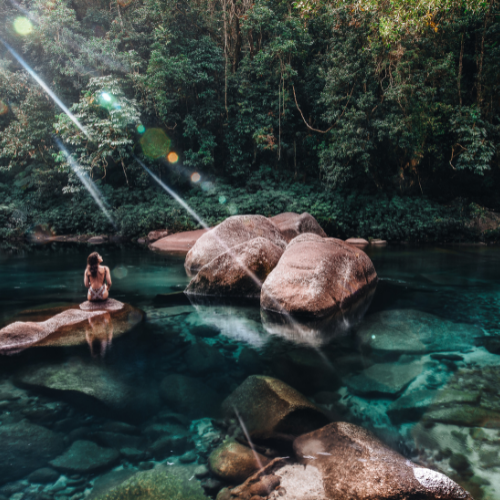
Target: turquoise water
{"type": "Point", "coordinates": [419, 370]}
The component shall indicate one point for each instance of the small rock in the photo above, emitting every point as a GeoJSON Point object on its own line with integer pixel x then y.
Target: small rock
{"type": "Point", "coordinates": [202, 358]}
{"type": "Point", "coordinates": [85, 457]}
{"type": "Point", "coordinates": [146, 465]}
{"type": "Point", "coordinates": [211, 486]}
{"type": "Point", "coordinates": [201, 471]}
{"type": "Point", "coordinates": [234, 462]}
{"type": "Point", "coordinates": [170, 445]}
{"type": "Point", "coordinates": [44, 475]}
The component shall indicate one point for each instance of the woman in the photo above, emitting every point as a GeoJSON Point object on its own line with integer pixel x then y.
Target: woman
{"type": "Point", "coordinates": [97, 278]}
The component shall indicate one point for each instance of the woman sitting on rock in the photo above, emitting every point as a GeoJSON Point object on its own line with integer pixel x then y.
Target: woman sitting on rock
{"type": "Point", "coordinates": [97, 278]}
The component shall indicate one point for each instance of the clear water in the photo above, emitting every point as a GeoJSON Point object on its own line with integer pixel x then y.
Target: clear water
{"type": "Point", "coordinates": [429, 302]}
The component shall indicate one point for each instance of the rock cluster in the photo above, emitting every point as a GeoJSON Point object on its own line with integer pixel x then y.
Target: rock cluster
{"type": "Point", "coordinates": [287, 261]}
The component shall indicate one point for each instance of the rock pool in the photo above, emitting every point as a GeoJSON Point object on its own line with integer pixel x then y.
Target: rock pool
{"type": "Point", "coordinates": [98, 417]}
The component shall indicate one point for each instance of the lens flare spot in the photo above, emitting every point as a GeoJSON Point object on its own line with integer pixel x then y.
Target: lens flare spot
{"type": "Point", "coordinates": [23, 25]}
{"type": "Point", "coordinates": [106, 96]}
{"type": "Point", "coordinates": [120, 272]}
{"type": "Point", "coordinates": [3, 108]}
{"type": "Point", "coordinates": [173, 157]}
{"type": "Point", "coordinates": [195, 177]}
{"type": "Point", "coordinates": [155, 143]}
{"type": "Point", "coordinates": [222, 200]}
{"type": "Point", "coordinates": [141, 129]}
{"type": "Point", "coordinates": [207, 186]}
{"type": "Point", "coordinates": [124, 3]}
{"type": "Point", "coordinates": [232, 208]}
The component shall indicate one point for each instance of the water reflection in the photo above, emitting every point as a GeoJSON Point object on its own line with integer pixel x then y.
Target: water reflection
{"type": "Point", "coordinates": [100, 332]}
{"type": "Point", "coordinates": [316, 332]}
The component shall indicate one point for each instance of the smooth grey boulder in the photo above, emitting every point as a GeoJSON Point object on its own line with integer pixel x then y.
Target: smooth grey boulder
{"type": "Point", "coordinates": [411, 331]}
{"type": "Point", "coordinates": [84, 457]}
{"type": "Point", "coordinates": [26, 447]}
{"type": "Point", "coordinates": [386, 379]}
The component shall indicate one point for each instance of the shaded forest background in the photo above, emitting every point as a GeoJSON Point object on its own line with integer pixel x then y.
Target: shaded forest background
{"type": "Point", "coordinates": [379, 126]}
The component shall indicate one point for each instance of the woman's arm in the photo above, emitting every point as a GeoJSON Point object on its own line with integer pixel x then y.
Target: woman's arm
{"type": "Point", "coordinates": [86, 278]}
{"type": "Point", "coordinates": [108, 277]}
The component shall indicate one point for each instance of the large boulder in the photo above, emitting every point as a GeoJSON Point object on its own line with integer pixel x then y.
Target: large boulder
{"type": "Point", "coordinates": [240, 271]}
{"type": "Point", "coordinates": [233, 231]}
{"type": "Point", "coordinates": [92, 387]}
{"type": "Point", "coordinates": [271, 409]}
{"type": "Point", "coordinates": [234, 462]}
{"type": "Point", "coordinates": [178, 243]}
{"type": "Point", "coordinates": [190, 396]}
{"type": "Point", "coordinates": [26, 447]}
{"type": "Point", "coordinates": [355, 464]}
{"type": "Point", "coordinates": [318, 277]}
{"type": "Point", "coordinates": [292, 224]}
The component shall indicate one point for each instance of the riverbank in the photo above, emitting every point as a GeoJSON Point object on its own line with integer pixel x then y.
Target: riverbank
{"type": "Point", "coordinates": [342, 214]}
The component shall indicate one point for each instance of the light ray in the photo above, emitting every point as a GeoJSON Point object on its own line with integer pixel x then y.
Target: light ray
{"type": "Point", "coordinates": [247, 435]}
{"type": "Point", "coordinates": [44, 86]}
{"type": "Point", "coordinates": [86, 181]}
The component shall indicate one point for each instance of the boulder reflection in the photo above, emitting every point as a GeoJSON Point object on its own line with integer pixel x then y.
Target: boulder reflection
{"type": "Point", "coordinates": [316, 331]}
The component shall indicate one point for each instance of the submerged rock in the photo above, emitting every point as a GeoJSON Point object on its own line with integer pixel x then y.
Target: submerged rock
{"type": "Point", "coordinates": [238, 272]}
{"type": "Point", "coordinates": [190, 396]}
{"type": "Point", "coordinates": [93, 387]}
{"type": "Point", "coordinates": [354, 464]}
{"type": "Point", "coordinates": [233, 231]}
{"type": "Point", "coordinates": [84, 457]}
{"type": "Point", "coordinates": [271, 409]}
{"type": "Point", "coordinates": [318, 277]}
{"type": "Point", "coordinates": [292, 224]}
{"type": "Point", "coordinates": [44, 475]}
{"type": "Point", "coordinates": [386, 379]}
{"type": "Point", "coordinates": [234, 462]}
{"type": "Point", "coordinates": [161, 483]}
{"type": "Point", "coordinates": [413, 332]}
{"type": "Point", "coordinates": [26, 447]}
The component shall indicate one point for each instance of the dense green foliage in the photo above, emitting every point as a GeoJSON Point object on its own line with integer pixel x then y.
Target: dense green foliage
{"type": "Point", "coordinates": [380, 119]}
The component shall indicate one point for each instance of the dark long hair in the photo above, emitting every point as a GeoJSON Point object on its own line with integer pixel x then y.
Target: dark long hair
{"type": "Point", "coordinates": [93, 263]}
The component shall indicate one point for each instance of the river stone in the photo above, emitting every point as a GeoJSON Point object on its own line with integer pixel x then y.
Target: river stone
{"type": "Point", "coordinates": [358, 242]}
{"type": "Point", "coordinates": [233, 231]}
{"type": "Point", "coordinates": [93, 387]}
{"type": "Point", "coordinates": [161, 483]}
{"type": "Point", "coordinates": [102, 305]}
{"type": "Point", "coordinates": [178, 243]}
{"type": "Point", "coordinates": [292, 224]}
{"type": "Point", "coordinates": [413, 332]}
{"type": "Point", "coordinates": [25, 447]}
{"type": "Point", "coordinates": [238, 272]}
{"type": "Point", "coordinates": [385, 379]}
{"type": "Point", "coordinates": [318, 277]}
{"type": "Point", "coordinates": [108, 481]}
{"type": "Point", "coordinates": [84, 457]}
{"type": "Point", "coordinates": [190, 396]}
{"type": "Point", "coordinates": [44, 475]}
{"type": "Point", "coordinates": [355, 464]}
{"type": "Point", "coordinates": [234, 462]}
{"type": "Point", "coordinates": [203, 358]}
{"type": "Point", "coordinates": [270, 408]}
